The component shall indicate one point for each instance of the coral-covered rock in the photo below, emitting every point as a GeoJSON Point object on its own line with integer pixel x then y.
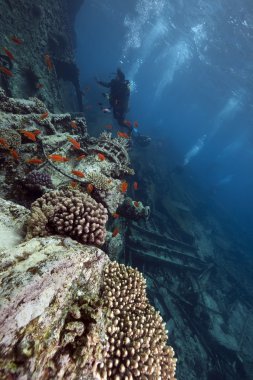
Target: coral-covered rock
{"type": "Point", "coordinates": [12, 223]}
{"type": "Point", "coordinates": [134, 210]}
{"type": "Point", "coordinates": [49, 303]}
{"type": "Point", "coordinates": [69, 213]}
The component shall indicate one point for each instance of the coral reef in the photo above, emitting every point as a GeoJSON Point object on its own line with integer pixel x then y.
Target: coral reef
{"type": "Point", "coordinates": [12, 223]}
{"type": "Point", "coordinates": [53, 34]}
{"type": "Point", "coordinates": [66, 312]}
{"type": "Point", "coordinates": [38, 180]}
{"type": "Point", "coordinates": [133, 210]}
{"type": "Point", "coordinates": [12, 138]}
{"type": "Point", "coordinates": [115, 149]}
{"type": "Point", "coordinates": [51, 323]}
{"type": "Point", "coordinates": [136, 347]}
{"type": "Point", "coordinates": [113, 246]}
{"type": "Point", "coordinates": [68, 213]}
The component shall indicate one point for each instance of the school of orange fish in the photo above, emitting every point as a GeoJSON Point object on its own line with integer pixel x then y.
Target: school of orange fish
{"type": "Point", "coordinates": [32, 135]}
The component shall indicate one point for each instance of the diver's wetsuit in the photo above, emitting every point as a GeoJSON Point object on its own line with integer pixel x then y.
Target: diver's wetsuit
{"type": "Point", "coordinates": [119, 97]}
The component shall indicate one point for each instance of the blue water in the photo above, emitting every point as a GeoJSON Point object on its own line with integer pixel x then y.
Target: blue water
{"type": "Point", "coordinates": [190, 63]}
{"type": "Point", "coordinates": [190, 66]}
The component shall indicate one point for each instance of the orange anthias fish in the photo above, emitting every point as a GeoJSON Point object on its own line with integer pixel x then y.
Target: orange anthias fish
{"type": "Point", "coordinates": [135, 185]}
{"type": "Point", "coordinates": [75, 143]}
{"type": "Point", "coordinates": [79, 158]}
{"type": "Point", "coordinates": [29, 135]}
{"type": "Point", "coordinates": [6, 71]}
{"type": "Point", "coordinates": [123, 187]}
{"type": "Point", "coordinates": [8, 53]}
{"type": "Point", "coordinates": [136, 204]}
{"type": "Point", "coordinates": [16, 40]}
{"type": "Point", "coordinates": [73, 124]}
{"type": "Point", "coordinates": [115, 215]}
{"type": "Point", "coordinates": [136, 124]}
{"type": "Point", "coordinates": [58, 158]}
{"type": "Point", "coordinates": [90, 188]}
{"type": "Point", "coordinates": [35, 161]}
{"type": "Point", "coordinates": [78, 173]}
{"type": "Point", "coordinates": [14, 154]}
{"type": "Point", "coordinates": [44, 116]}
{"type": "Point", "coordinates": [127, 123]}
{"type": "Point", "coordinates": [101, 156]}
{"type": "Point", "coordinates": [36, 132]}
{"type": "Point", "coordinates": [115, 232]}
{"type": "Point", "coordinates": [73, 184]}
{"type": "Point", "coordinates": [4, 143]}
{"type": "Point", "coordinates": [123, 135]}
{"type": "Point", "coordinates": [48, 62]}
{"type": "Point", "coordinates": [109, 126]}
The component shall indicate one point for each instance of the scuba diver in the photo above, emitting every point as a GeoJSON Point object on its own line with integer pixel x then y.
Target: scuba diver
{"type": "Point", "coordinates": [118, 97]}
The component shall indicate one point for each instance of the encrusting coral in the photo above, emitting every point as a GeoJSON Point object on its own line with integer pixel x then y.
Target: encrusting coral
{"type": "Point", "coordinates": [136, 346]}
{"type": "Point", "coordinates": [12, 138]}
{"type": "Point", "coordinates": [69, 213]}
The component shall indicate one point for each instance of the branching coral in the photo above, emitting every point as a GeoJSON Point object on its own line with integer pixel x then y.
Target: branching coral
{"type": "Point", "coordinates": [136, 347]}
{"type": "Point", "coordinates": [70, 213]}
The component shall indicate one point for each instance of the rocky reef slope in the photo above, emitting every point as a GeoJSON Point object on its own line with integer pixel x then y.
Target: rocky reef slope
{"type": "Point", "coordinates": [67, 311]}
{"type": "Point", "coordinates": [31, 32]}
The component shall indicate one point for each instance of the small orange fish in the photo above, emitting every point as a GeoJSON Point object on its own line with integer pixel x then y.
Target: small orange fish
{"type": "Point", "coordinates": [6, 71]}
{"type": "Point", "coordinates": [101, 156]}
{"type": "Point", "coordinates": [78, 173]}
{"type": "Point", "coordinates": [73, 184]}
{"type": "Point", "coordinates": [36, 132]}
{"type": "Point", "coordinates": [48, 62]}
{"type": "Point", "coordinates": [90, 188]}
{"type": "Point", "coordinates": [14, 154]}
{"type": "Point", "coordinates": [109, 126]}
{"type": "Point", "coordinates": [39, 85]}
{"type": "Point", "coordinates": [136, 204]}
{"type": "Point", "coordinates": [115, 215]}
{"type": "Point", "coordinates": [127, 123]}
{"type": "Point", "coordinates": [123, 135]}
{"type": "Point", "coordinates": [34, 161]}
{"type": "Point", "coordinates": [73, 124]}
{"type": "Point", "coordinates": [136, 124]}
{"type": "Point", "coordinates": [75, 143]}
{"type": "Point", "coordinates": [8, 53]}
{"type": "Point", "coordinates": [44, 116]}
{"type": "Point", "coordinates": [79, 158]}
{"type": "Point", "coordinates": [135, 185]}
{"type": "Point", "coordinates": [16, 40]}
{"type": "Point", "coordinates": [124, 186]}
{"type": "Point", "coordinates": [4, 143]}
{"type": "Point", "coordinates": [58, 158]}
{"type": "Point", "coordinates": [29, 135]}
{"type": "Point", "coordinates": [115, 232]}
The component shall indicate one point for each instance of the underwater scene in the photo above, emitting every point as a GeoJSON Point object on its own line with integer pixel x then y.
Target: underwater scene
{"type": "Point", "coordinates": [126, 208]}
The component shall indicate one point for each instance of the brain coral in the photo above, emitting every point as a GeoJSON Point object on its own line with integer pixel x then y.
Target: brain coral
{"type": "Point", "coordinates": [136, 346]}
{"type": "Point", "coordinates": [69, 213]}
